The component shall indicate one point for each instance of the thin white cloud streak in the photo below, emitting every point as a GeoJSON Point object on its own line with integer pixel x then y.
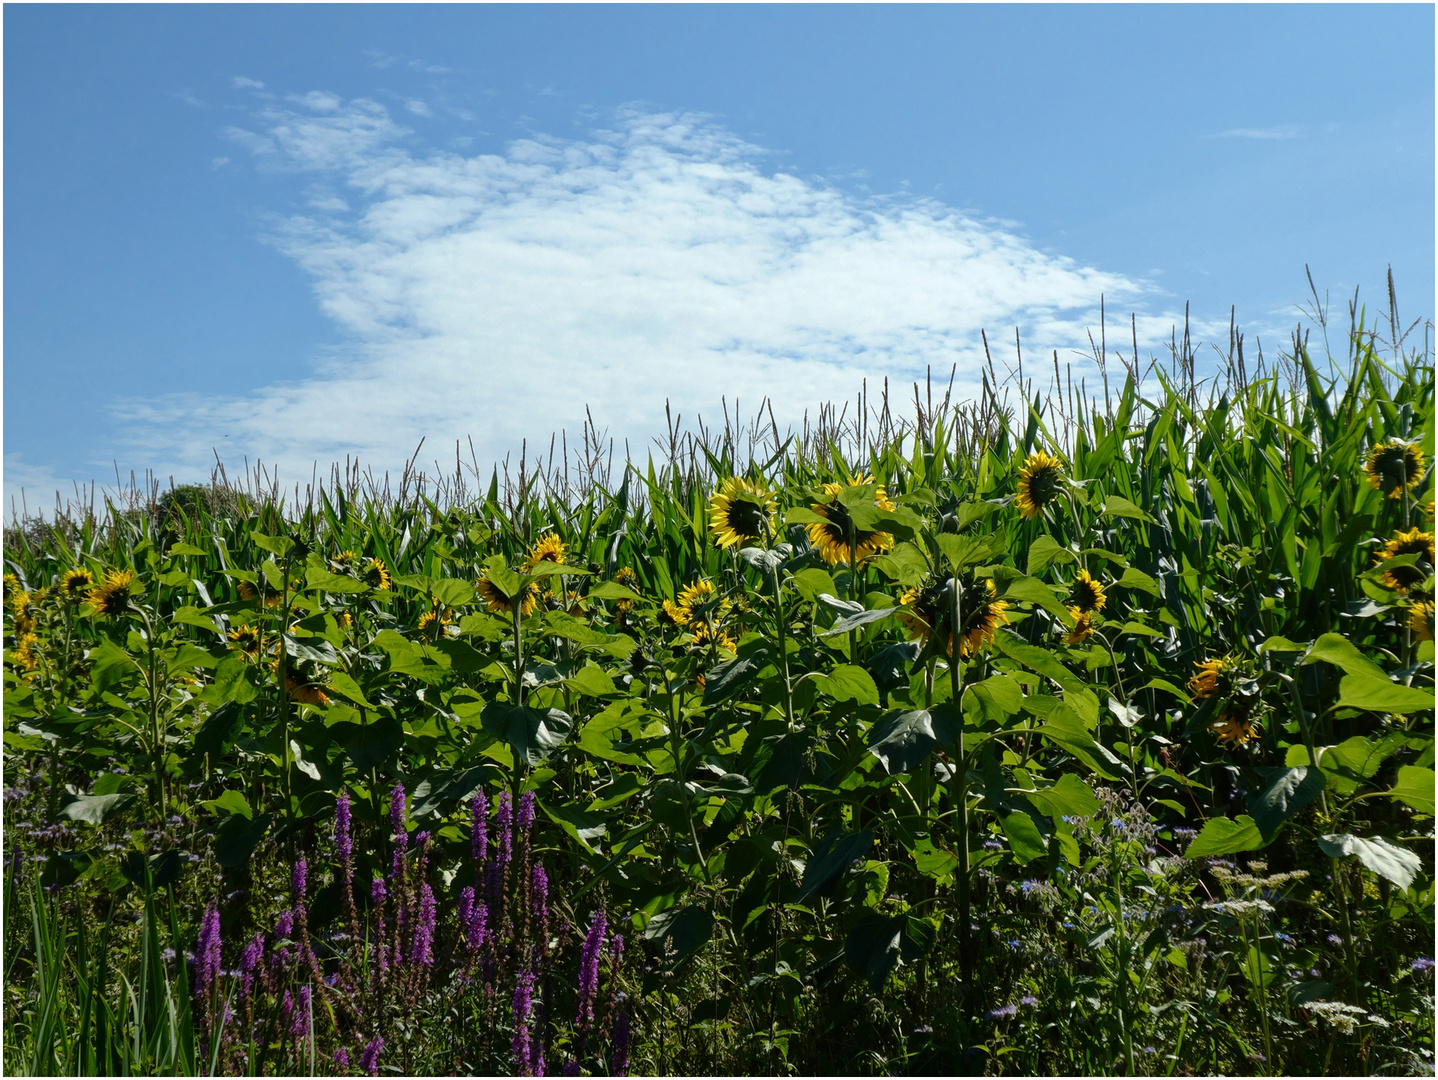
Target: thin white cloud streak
{"type": "Point", "coordinates": [494, 297]}
{"type": "Point", "coordinates": [1284, 131]}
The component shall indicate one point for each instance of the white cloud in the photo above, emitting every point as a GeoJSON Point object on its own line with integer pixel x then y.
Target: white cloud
{"type": "Point", "coordinates": [219, 162]}
{"type": "Point", "coordinates": [419, 108]}
{"type": "Point", "coordinates": [239, 82]}
{"type": "Point", "coordinates": [1282, 131]}
{"type": "Point", "coordinates": [496, 296]}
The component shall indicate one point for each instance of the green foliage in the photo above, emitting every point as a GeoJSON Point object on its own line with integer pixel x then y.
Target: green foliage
{"type": "Point", "coordinates": [849, 817]}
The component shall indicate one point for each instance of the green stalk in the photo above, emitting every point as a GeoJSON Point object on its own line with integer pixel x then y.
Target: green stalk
{"type": "Point", "coordinates": [961, 785]}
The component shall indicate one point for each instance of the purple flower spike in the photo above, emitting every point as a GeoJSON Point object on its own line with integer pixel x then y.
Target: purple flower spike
{"type": "Point", "coordinates": [299, 880]}
{"type": "Point", "coordinates": [520, 1046]}
{"type": "Point", "coordinates": [396, 818]}
{"type": "Point", "coordinates": [504, 822]}
{"type": "Point", "coordinates": [478, 928]}
{"type": "Point", "coordinates": [424, 932]}
{"type": "Point", "coordinates": [526, 811]}
{"type": "Point", "coordinates": [249, 961]}
{"type": "Point", "coordinates": [589, 969]}
{"type": "Point", "coordinates": [287, 1009]}
{"type": "Point", "coordinates": [478, 833]}
{"type": "Point", "coordinates": [207, 951]}
{"type": "Point", "coordinates": [343, 842]}
{"type": "Point", "coordinates": [369, 1060]}
{"type": "Point", "coordinates": [466, 908]}
{"type": "Point", "coordinates": [300, 1025]}
{"type": "Point", "coordinates": [342, 1059]}
{"type": "Point", "coordinates": [285, 924]}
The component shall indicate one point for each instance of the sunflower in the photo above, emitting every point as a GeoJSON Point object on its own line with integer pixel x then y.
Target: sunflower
{"type": "Point", "coordinates": [549, 549]}
{"type": "Point", "coordinates": [741, 510]}
{"type": "Point", "coordinates": [1414, 542]}
{"type": "Point", "coordinates": [1420, 616]}
{"type": "Point", "coordinates": [375, 575]}
{"type": "Point", "coordinates": [832, 537]}
{"type": "Point", "coordinates": [12, 584]}
{"type": "Point", "coordinates": [1394, 466]}
{"type": "Point", "coordinates": [252, 592]}
{"type": "Point", "coordinates": [1214, 677]}
{"type": "Point", "coordinates": [1234, 727]}
{"type": "Point", "coordinates": [300, 687]}
{"type": "Point", "coordinates": [671, 615]}
{"type": "Point", "coordinates": [432, 623]}
{"type": "Point", "coordinates": [24, 652]}
{"type": "Point", "coordinates": [76, 583]}
{"type": "Point", "coordinates": [24, 622]}
{"type": "Point", "coordinates": [1040, 482]}
{"type": "Point", "coordinates": [700, 603]}
{"type": "Point", "coordinates": [1083, 627]}
{"type": "Point", "coordinates": [112, 597]}
{"type": "Point", "coordinates": [927, 608]}
{"type": "Point", "coordinates": [345, 620]}
{"type": "Point", "coordinates": [1087, 594]}
{"type": "Point", "coordinates": [705, 634]}
{"type": "Point", "coordinates": [630, 580]}
{"type": "Point", "coordinates": [18, 600]}
{"type": "Point", "coordinates": [248, 640]}
{"type": "Point", "coordinates": [500, 603]}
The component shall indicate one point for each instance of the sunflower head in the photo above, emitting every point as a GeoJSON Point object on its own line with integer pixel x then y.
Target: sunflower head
{"type": "Point", "coordinates": [671, 615]}
{"type": "Point", "coordinates": [704, 634]}
{"type": "Point", "coordinates": [741, 510]}
{"type": "Point", "coordinates": [345, 620]}
{"type": "Point", "coordinates": [1413, 542]}
{"type": "Point", "coordinates": [548, 549]}
{"type": "Point", "coordinates": [832, 537]}
{"type": "Point", "coordinates": [1041, 481]}
{"type": "Point", "coordinates": [1083, 626]}
{"type": "Point", "coordinates": [432, 623]}
{"type": "Point", "coordinates": [248, 640]}
{"type": "Point", "coordinates": [76, 583]}
{"type": "Point", "coordinates": [501, 603]}
{"type": "Point", "coordinates": [1087, 594]}
{"type": "Point", "coordinates": [112, 596]}
{"type": "Point", "coordinates": [344, 562]}
{"type": "Point", "coordinates": [1420, 618]}
{"type": "Point", "coordinates": [1394, 466]}
{"type": "Point", "coordinates": [375, 574]}
{"type": "Point", "coordinates": [1235, 726]}
{"type": "Point", "coordinates": [26, 652]}
{"type": "Point", "coordinates": [701, 604]}
{"type": "Point", "coordinates": [630, 580]}
{"type": "Point", "coordinates": [1214, 677]}
{"type": "Point", "coordinates": [927, 610]}
{"type": "Point", "coordinates": [12, 585]}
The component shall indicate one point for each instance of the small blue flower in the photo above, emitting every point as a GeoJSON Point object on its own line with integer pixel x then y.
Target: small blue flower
{"type": "Point", "coordinates": [1004, 1012]}
{"type": "Point", "coordinates": [1423, 963]}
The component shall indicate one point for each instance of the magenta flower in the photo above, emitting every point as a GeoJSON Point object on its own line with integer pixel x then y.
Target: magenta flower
{"type": "Point", "coordinates": [424, 932]}
{"type": "Point", "coordinates": [369, 1060]}
{"type": "Point", "coordinates": [478, 834]}
{"type": "Point", "coordinates": [344, 844]}
{"type": "Point", "coordinates": [589, 969]}
{"type": "Point", "coordinates": [207, 951]}
{"type": "Point", "coordinates": [520, 1046]}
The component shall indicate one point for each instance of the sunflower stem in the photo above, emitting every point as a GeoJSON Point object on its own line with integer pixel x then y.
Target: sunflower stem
{"type": "Point", "coordinates": [961, 782]}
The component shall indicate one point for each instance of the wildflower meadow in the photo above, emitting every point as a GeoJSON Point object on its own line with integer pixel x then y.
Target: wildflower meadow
{"type": "Point", "coordinates": [1074, 729]}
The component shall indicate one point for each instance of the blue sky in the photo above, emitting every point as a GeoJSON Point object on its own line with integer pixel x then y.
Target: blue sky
{"type": "Point", "coordinates": [297, 233]}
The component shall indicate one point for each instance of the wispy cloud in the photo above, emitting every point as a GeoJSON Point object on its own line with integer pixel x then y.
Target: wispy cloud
{"type": "Point", "coordinates": [240, 82]}
{"type": "Point", "coordinates": [1282, 131]}
{"type": "Point", "coordinates": [495, 296]}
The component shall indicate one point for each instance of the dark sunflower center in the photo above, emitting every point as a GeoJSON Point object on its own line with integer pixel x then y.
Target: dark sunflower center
{"type": "Point", "coordinates": [1044, 484]}
{"type": "Point", "coordinates": [745, 518]}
